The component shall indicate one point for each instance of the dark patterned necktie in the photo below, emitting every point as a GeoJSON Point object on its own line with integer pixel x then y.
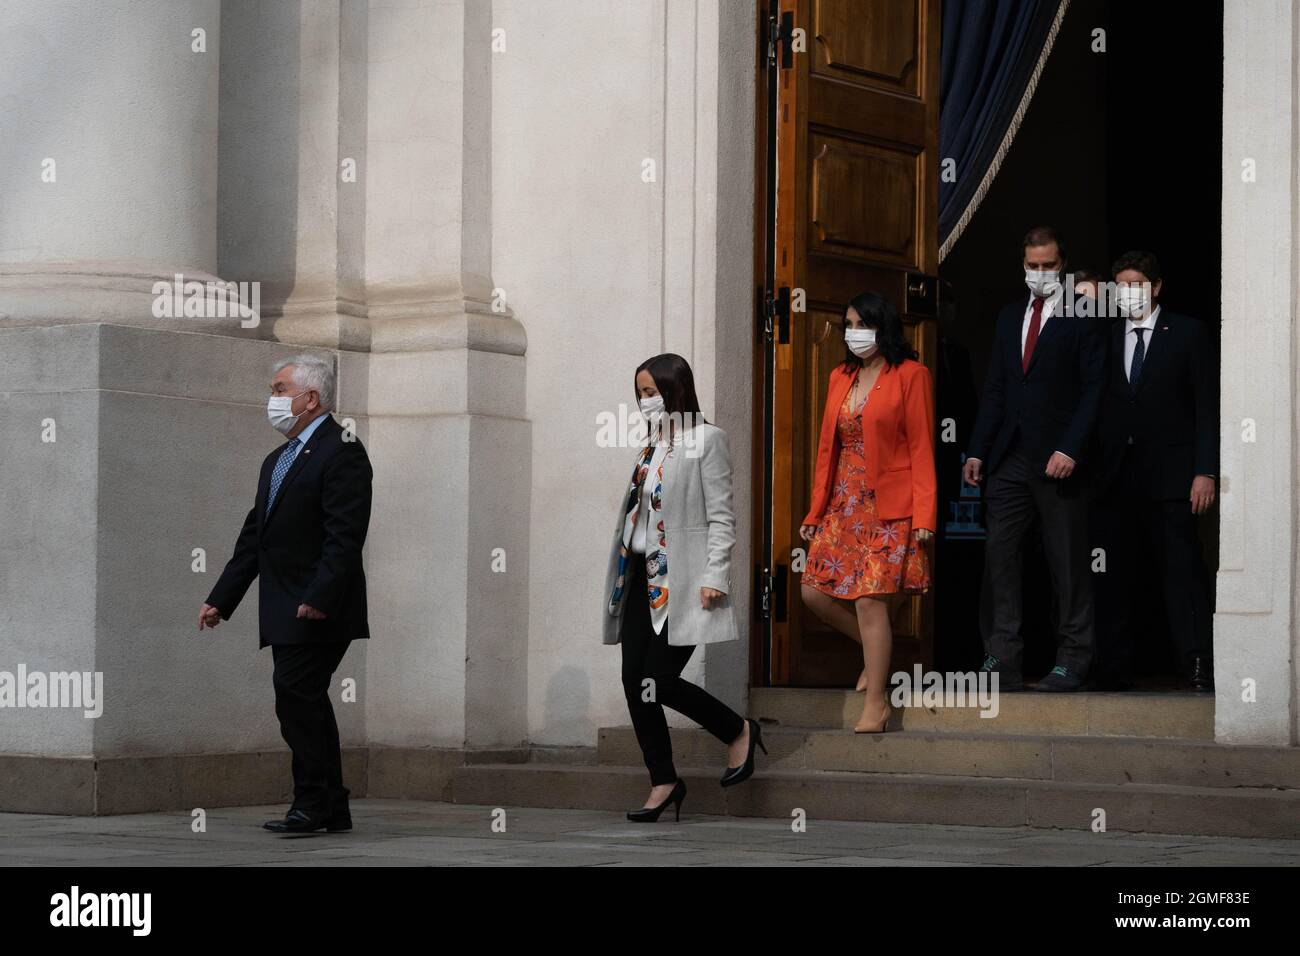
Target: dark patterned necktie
{"type": "Point", "coordinates": [1139, 356]}
{"type": "Point", "coordinates": [281, 469]}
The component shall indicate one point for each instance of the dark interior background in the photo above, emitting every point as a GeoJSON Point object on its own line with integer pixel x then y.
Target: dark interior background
{"type": "Point", "coordinates": [1118, 150]}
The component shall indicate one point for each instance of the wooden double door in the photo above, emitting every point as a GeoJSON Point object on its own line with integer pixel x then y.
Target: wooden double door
{"type": "Point", "coordinates": [848, 202]}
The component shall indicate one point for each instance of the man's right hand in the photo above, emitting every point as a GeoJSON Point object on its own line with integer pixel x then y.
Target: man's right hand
{"type": "Point", "coordinates": [209, 616]}
{"type": "Point", "coordinates": [973, 471]}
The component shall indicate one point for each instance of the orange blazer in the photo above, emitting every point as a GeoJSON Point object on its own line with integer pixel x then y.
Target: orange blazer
{"type": "Point", "coordinates": [898, 442]}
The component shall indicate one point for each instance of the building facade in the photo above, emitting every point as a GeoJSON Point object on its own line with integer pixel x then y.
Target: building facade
{"type": "Point", "coordinates": [489, 212]}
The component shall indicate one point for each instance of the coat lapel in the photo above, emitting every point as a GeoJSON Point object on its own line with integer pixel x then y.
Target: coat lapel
{"type": "Point", "coordinates": [1157, 346]}
{"type": "Point", "coordinates": [884, 392]}
{"type": "Point", "coordinates": [1120, 370]}
{"type": "Point", "coordinates": [1013, 339]}
{"type": "Point", "coordinates": [299, 463]}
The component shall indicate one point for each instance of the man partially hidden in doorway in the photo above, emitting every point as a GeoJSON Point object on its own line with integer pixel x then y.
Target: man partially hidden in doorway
{"type": "Point", "coordinates": [1160, 441]}
{"type": "Point", "coordinates": [1035, 428]}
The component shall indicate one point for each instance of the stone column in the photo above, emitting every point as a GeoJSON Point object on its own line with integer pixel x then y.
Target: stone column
{"type": "Point", "coordinates": [108, 157]}
{"type": "Point", "coordinates": [1255, 641]}
{"type": "Point", "coordinates": [449, 558]}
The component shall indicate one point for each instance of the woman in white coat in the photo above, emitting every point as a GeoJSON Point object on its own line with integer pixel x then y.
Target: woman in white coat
{"type": "Point", "coordinates": [668, 584]}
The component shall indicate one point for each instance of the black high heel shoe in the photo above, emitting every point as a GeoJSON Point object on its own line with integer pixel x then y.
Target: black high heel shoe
{"type": "Point", "coordinates": [735, 775]}
{"type": "Point", "coordinates": [651, 814]}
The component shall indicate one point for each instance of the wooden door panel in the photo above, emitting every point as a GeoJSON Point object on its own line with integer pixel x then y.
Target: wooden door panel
{"type": "Point", "coordinates": [864, 200]}
{"type": "Point", "coordinates": [872, 42]}
{"type": "Point", "coordinates": [855, 123]}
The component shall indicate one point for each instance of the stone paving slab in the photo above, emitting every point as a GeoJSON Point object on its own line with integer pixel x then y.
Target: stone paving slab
{"type": "Point", "coordinates": [418, 833]}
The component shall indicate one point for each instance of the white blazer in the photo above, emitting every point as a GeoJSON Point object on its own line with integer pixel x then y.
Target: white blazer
{"type": "Point", "coordinates": [700, 528]}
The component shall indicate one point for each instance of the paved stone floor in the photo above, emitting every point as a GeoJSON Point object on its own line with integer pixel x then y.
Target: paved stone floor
{"type": "Point", "coordinates": [416, 833]}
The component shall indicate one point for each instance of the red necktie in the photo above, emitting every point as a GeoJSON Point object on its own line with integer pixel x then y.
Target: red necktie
{"type": "Point", "coordinates": [1035, 323]}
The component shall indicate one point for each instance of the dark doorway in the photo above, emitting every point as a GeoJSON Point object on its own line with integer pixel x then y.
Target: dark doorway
{"type": "Point", "coordinates": [1119, 150]}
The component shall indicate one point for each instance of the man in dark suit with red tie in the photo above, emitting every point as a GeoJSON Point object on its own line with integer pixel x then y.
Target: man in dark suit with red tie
{"type": "Point", "coordinates": [1160, 439]}
{"type": "Point", "coordinates": [302, 540]}
{"type": "Point", "coordinates": [1033, 439]}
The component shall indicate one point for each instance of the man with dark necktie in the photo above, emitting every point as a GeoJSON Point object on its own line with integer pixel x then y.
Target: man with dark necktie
{"type": "Point", "coordinates": [1160, 439]}
{"type": "Point", "coordinates": [303, 540]}
{"type": "Point", "coordinates": [1032, 438]}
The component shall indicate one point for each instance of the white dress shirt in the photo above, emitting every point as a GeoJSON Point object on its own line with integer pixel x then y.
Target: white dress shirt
{"type": "Point", "coordinates": [305, 434]}
{"type": "Point", "coordinates": [1131, 339]}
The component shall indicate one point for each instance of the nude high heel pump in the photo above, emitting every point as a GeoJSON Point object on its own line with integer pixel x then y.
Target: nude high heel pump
{"type": "Point", "coordinates": [877, 727]}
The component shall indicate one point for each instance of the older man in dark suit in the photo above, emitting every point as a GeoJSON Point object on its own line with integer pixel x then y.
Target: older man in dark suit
{"type": "Point", "coordinates": [1160, 438]}
{"type": "Point", "coordinates": [303, 540]}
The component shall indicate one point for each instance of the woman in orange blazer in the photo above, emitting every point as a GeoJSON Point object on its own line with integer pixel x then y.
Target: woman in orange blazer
{"type": "Point", "coordinates": [874, 495]}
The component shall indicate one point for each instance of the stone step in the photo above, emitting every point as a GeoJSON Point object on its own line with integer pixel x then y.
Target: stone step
{"type": "Point", "coordinates": [1171, 714]}
{"type": "Point", "coordinates": [1064, 759]}
{"type": "Point", "coordinates": [899, 798]}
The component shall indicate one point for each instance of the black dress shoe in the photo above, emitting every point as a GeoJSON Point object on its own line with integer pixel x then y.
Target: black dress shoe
{"type": "Point", "coordinates": [1060, 679]}
{"type": "Point", "coordinates": [734, 775]}
{"type": "Point", "coordinates": [1202, 673]}
{"type": "Point", "coordinates": [1007, 679]}
{"type": "Point", "coordinates": [297, 821]}
{"type": "Point", "coordinates": [651, 814]}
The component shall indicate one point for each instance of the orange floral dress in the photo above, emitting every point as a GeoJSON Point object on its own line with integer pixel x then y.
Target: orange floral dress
{"type": "Point", "coordinates": [854, 554]}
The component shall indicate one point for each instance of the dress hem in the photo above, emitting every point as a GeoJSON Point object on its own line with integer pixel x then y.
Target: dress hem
{"type": "Point", "coordinates": [853, 597]}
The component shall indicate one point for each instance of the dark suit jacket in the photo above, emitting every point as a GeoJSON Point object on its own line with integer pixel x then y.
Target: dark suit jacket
{"type": "Point", "coordinates": [308, 549]}
{"type": "Point", "coordinates": [1172, 415]}
{"type": "Point", "coordinates": [1054, 404]}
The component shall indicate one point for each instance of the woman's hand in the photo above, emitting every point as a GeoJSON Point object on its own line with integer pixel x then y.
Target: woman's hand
{"type": "Point", "coordinates": [807, 531]}
{"type": "Point", "coordinates": [709, 597]}
{"type": "Point", "coordinates": [922, 534]}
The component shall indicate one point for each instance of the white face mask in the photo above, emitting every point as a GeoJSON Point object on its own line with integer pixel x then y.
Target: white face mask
{"type": "Point", "coordinates": [861, 342]}
{"type": "Point", "coordinates": [1042, 283]}
{"type": "Point", "coordinates": [653, 407]}
{"type": "Point", "coordinates": [279, 412]}
{"type": "Point", "coordinates": [1133, 301]}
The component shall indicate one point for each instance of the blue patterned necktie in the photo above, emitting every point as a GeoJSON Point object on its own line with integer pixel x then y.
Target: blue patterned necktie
{"type": "Point", "coordinates": [1139, 356]}
{"type": "Point", "coordinates": [281, 469]}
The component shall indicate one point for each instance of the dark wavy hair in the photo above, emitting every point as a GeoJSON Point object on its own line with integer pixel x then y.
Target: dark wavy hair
{"type": "Point", "coordinates": [676, 383]}
{"type": "Point", "coordinates": [878, 313]}
{"type": "Point", "coordinates": [1139, 261]}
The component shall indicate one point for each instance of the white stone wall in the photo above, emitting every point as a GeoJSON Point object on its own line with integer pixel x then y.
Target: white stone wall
{"type": "Point", "coordinates": [1255, 639]}
{"type": "Point", "coordinates": [604, 270]}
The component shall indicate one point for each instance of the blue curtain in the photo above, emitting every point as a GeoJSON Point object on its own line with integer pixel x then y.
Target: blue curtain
{"type": "Point", "coordinates": [988, 53]}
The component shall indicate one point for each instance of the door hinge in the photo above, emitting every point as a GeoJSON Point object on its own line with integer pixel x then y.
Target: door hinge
{"type": "Point", "coordinates": [763, 593]}
{"type": "Point", "coordinates": [776, 314]}
{"type": "Point", "coordinates": [782, 32]}
{"type": "Point", "coordinates": [769, 594]}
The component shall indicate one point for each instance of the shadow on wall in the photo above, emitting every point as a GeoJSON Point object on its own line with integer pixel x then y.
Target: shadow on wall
{"type": "Point", "coordinates": [568, 703]}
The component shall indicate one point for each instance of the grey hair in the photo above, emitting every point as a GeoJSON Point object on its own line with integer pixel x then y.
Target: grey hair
{"type": "Point", "coordinates": [312, 372]}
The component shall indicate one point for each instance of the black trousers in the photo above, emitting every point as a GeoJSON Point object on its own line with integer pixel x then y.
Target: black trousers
{"type": "Point", "coordinates": [1018, 491]}
{"type": "Point", "coordinates": [302, 702]}
{"type": "Point", "coordinates": [647, 655]}
{"type": "Point", "coordinates": [1153, 554]}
